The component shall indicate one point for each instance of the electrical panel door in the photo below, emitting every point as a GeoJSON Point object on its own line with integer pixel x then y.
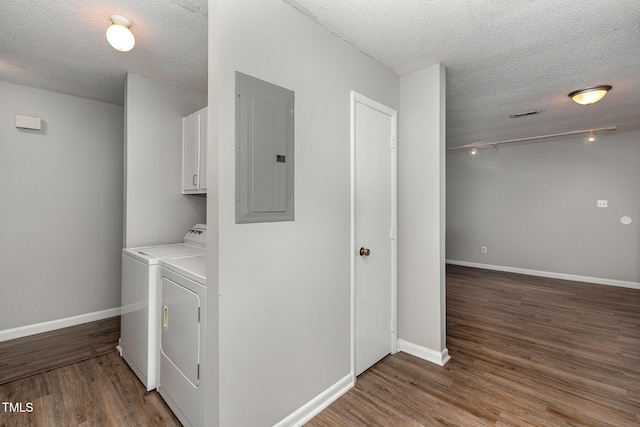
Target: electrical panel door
{"type": "Point", "coordinates": [264, 151]}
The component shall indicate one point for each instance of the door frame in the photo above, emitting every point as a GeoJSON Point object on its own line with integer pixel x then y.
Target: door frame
{"type": "Point", "coordinates": [393, 328]}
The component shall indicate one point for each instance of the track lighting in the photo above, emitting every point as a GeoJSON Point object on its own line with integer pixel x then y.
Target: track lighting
{"type": "Point", "coordinates": [591, 136]}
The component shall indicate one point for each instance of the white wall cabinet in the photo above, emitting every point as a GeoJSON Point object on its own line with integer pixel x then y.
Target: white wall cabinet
{"type": "Point", "coordinates": [194, 153]}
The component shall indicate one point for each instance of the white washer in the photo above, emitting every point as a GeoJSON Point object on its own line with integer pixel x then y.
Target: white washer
{"type": "Point", "coordinates": [140, 319]}
{"type": "Point", "coordinates": [182, 343]}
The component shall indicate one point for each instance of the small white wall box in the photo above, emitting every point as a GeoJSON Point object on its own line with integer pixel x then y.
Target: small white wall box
{"type": "Point", "coordinates": [28, 122]}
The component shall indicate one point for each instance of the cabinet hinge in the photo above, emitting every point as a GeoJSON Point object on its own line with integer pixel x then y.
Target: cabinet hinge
{"type": "Point", "coordinates": [392, 143]}
{"type": "Point", "coordinates": [393, 326]}
{"type": "Point", "coordinates": [392, 233]}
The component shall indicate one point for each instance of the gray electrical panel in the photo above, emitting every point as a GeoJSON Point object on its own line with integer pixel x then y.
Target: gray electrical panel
{"type": "Point", "coordinates": [264, 151]}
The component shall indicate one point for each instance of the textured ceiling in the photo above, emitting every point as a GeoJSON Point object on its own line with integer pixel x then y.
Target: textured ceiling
{"type": "Point", "coordinates": [502, 56]}
{"type": "Point", "coordinates": [60, 45]}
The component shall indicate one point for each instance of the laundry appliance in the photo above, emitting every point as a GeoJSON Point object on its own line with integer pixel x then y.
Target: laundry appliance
{"type": "Point", "coordinates": [182, 336]}
{"type": "Point", "coordinates": [140, 318]}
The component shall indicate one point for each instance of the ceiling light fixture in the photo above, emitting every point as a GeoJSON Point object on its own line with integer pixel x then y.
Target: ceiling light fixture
{"type": "Point", "coordinates": [591, 137]}
{"type": "Point", "coordinates": [590, 95]}
{"type": "Point", "coordinates": [119, 35]}
{"type": "Point", "coordinates": [474, 150]}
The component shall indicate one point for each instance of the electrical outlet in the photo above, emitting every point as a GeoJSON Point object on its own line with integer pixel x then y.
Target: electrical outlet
{"type": "Point", "coordinates": [484, 249]}
{"type": "Point", "coordinates": [602, 203]}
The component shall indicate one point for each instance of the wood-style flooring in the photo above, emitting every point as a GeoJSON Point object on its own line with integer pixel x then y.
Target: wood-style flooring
{"type": "Point", "coordinates": [101, 392]}
{"type": "Point", "coordinates": [75, 377]}
{"type": "Point", "coordinates": [42, 352]}
{"type": "Point", "coordinates": [526, 351]}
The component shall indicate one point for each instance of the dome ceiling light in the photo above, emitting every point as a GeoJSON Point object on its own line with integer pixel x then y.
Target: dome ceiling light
{"type": "Point", "coordinates": [590, 95]}
{"type": "Point", "coordinates": [119, 35]}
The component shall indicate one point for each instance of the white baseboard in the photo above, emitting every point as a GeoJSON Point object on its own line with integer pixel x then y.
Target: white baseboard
{"type": "Point", "coordinates": [549, 274]}
{"type": "Point", "coordinates": [433, 356]}
{"type": "Point", "coordinates": [318, 403]}
{"type": "Point", "coordinates": [52, 325]}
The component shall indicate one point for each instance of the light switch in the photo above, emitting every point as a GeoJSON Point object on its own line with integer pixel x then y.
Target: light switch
{"type": "Point", "coordinates": [602, 203]}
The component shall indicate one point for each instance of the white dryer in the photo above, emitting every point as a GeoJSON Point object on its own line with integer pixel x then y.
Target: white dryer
{"type": "Point", "coordinates": [182, 343]}
{"type": "Point", "coordinates": [140, 319]}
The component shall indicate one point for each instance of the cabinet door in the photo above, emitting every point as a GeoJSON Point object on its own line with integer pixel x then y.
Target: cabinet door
{"type": "Point", "coordinates": [203, 150]}
{"type": "Point", "coordinates": [190, 153]}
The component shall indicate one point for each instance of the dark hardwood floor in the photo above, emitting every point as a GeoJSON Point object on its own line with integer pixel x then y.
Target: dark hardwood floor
{"type": "Point", "coordinates": [526, 351]}
{"type": "Point", "coordinates": [75, 377]}
{"type": "Point", "coordinates": [101, 391]}
{"type": "Point", "coordinates": [42, 352]}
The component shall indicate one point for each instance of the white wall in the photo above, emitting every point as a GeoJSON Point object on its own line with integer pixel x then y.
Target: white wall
{"type": "Point", "coordinates": [534, 207]}
{"type": "Point", "coordinates": [284, 307]}
{"type": "Point", "coordinates": [156, 211]}
{"type": "Point", "coordinates": [60, 207]}
{"type": "Point", "coordinates": [421, 214]}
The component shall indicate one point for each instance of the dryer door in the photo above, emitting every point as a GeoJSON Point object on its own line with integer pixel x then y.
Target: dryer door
{"type": "Point", "coordinates": [180, 341]}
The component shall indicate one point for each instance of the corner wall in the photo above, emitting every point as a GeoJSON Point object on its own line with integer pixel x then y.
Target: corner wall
{"type": "Point", "coordinates": [533, 207]}
{"type": "Point", "coordinates": [60, 209]}
{"type": "Point", "coordinates": [156, 211]}
{"type": "Point", "coordinates": [421, 215]}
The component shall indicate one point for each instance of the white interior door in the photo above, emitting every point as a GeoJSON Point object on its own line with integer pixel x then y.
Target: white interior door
{"type": "Point", "coordinates": [373, 230]}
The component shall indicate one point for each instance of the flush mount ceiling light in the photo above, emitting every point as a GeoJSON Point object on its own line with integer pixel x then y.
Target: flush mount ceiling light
{"type": "Point", "coordinates": [590, 95]}
{"type": "Point", "coordinates": [119, 35]}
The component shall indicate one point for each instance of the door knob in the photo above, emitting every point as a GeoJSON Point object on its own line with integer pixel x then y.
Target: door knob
{"type": "Point", "coordinates": [364, 252]}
